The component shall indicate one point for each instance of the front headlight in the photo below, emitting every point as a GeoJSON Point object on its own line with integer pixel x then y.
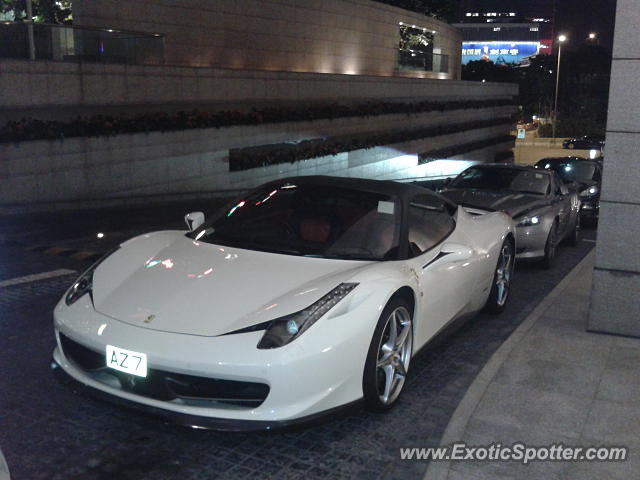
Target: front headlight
{"type": "Point", "coordinates": [589, 192]}
{"type": "Point", "coordinates": [84, 284]}
{"type": "Point", "coordinates": [529, 221]}
{"type": "Point", "coordinates": [284, 330]}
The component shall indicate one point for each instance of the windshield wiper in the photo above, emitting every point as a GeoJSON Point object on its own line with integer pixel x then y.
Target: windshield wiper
{"type": "Point", "coordinates": [531, 192]}
{"type": "Point", "coordinates": [349, 256]}
{"type": "Point", "coordinates": [252, 245]}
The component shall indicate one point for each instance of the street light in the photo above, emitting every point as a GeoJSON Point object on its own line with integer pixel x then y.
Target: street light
{"type": "Point", "coordinates": [592, 36]}
{"type": "Point", "coordinates": [561, 40]}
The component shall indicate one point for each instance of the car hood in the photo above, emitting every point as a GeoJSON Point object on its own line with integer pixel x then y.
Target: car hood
{"type": "Point", "coordinates": [513, 203]}
{"type": "Point", "coordinates": [583, 185]}
{"type": "Point", "coordinates": [168, 282]}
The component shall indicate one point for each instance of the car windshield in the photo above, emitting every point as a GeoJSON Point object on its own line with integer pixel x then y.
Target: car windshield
{"type": "Point", "coordinates": [572, 171]}
{"type": "Point", "coordinates": [309, 220]}
{"type": "Point", "coordinates": [510, 179]}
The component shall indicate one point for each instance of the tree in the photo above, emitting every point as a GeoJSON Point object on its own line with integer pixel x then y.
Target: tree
{"type": "Point", "coordinates": [479, 70]}
{"type": "Point", "coordinates": [48, 11]}
{"type": "Point", "coordinates": [537, 86]}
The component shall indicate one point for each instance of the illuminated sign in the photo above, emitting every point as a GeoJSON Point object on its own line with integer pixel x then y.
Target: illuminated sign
{"type": "Point", "coordinates": [499, 52]}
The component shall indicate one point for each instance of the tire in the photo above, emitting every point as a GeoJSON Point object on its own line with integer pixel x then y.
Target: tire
{"type": "Point", "coordinates": [502, 279]}
{"type": "Point", "coordinates": [550, 247]}
{"type": "Point", "coordinates": [384, 363]}
{"type": "Point", "coordinates": [574, 238]}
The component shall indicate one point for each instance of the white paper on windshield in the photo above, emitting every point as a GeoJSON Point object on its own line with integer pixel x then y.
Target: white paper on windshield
{"type": "Point", "coordinates": [385, 207]}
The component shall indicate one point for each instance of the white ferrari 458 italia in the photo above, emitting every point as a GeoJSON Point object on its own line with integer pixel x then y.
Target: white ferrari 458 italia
{"type": "Point", "coordinates": [304, 296]}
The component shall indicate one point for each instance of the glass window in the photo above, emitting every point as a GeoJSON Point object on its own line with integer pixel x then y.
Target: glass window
{"type": "Point", "coordinates": [309, 220]}
{"type": "Point", "coordinates": [429, 223]}
{"type": "Point", "coordinates": [493, 178]}
{"type": "Point", "coordinates": [573, 171]}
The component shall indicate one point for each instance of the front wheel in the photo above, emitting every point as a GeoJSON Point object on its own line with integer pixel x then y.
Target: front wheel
{"type": "Point", "coordinates": [550, 247]}
{"type": "Point", "coordinates": [574, 238]}
{"type": "Point", "coordinates": [389, 355]}
{"type": "Point", "coordinates": [501, 279]}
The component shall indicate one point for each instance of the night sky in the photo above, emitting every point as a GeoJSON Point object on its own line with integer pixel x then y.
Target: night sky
{"type": "Point", "coordinates": [577, 18]}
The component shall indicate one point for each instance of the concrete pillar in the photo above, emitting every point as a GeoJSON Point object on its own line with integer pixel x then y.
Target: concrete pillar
{"type": "Point", "coordinates": [615, 302]}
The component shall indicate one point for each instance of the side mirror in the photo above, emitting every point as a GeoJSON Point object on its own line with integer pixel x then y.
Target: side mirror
{"type": "Point", "coordinates": [194, 220]}
{"type": "Point", "coordinates": [447, 181]}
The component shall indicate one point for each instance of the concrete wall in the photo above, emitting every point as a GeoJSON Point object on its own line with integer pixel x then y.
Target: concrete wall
{"type": "Point", "coordinates": [40, 85]}
{"type": "Point", "coordinates": [328, 36]}
{"type": "Point", "coordinates": [529, 151]}
{"type": "Point", "coordinates": [615, 303]}
{"type": "Point", "coordinates": [78, 172]}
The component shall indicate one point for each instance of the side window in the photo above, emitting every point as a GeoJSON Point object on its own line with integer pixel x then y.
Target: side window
{"type": "Point", "coordinates": [429, 223]}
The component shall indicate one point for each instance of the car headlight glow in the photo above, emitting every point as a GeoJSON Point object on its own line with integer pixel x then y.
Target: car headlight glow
{"type": "Point", "coordinates": [285, 329]}
{"type": "Point", "coordinates": [84, 284]}
{"type": "Point", "coordinates": [589, 192]}
{"type": "Point", "coordinates": [529, 221]}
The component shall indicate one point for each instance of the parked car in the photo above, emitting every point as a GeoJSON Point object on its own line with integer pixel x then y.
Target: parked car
{"type": "Point", "coordinates": [586, 142]}
{"type": "Point", "coordinates": [301, 297]}
{"type": "Point", "coordinates": [544, 209]}
{"type": "Point", "coordinates": [583, 175]}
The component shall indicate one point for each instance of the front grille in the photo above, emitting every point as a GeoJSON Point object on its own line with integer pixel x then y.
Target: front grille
{"type": "Point", "coordinates": [89, 360]}
{"type": "Point", "coordinates": [167, 386]}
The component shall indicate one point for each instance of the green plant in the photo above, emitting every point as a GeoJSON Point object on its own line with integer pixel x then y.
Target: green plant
{"type": "Point", "coordinates": [265, 155]}
{"type": "Point", "coordinates": [106, 125]}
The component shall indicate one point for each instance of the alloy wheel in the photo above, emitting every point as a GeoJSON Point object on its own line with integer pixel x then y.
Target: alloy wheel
{"type": "Point", "coordinates": [394, 355]}
{"type": "Point", "coordinates": [504, 271]}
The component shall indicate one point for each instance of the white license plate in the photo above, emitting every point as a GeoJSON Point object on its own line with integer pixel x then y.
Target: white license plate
{"type": "Point", "coordinates": [127, 361]}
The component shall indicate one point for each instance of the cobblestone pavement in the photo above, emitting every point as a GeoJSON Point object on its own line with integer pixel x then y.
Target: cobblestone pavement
{"type": "Point", "coordinates": [47, 431]}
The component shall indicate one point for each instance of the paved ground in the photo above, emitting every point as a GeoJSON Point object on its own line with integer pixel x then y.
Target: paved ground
{"type": "Point", "coordinates": [554, 382]}
{"type": "Point", "coordinates": [49, 432]}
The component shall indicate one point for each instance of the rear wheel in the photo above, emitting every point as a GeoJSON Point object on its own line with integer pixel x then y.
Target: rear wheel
{"type": "Point", "coordinates": [501, 279]}
{"type": "Point", "coordinates": [389, 356]}
{"type": "Point", "coordinates": [550, 246]}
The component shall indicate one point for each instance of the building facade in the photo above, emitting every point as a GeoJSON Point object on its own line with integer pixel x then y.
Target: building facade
{"type": "Point", "coordinates": [355, 37]}
{"type": "Point", "coordinates": [505, 31]}
{"type": "Point", "coordinates": [393, 73]}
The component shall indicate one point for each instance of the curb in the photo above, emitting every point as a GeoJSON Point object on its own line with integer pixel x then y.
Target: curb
{"type": "Point", "coordinates": [75, 253]}
{"type": "Point", "coordinates": [467, 406]}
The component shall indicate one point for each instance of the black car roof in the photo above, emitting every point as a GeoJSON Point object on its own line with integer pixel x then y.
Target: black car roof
{"type": "Point", "coordinates": [508, 166]}
{"type": "Point", "coordinates": [385, 187]}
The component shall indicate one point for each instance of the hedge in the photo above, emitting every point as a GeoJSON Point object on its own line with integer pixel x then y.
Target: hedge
{"type": "Point", "coordinates": [463, 148]}
{"type": "Point", "coordinates": [106, 125]}
{"type": "Point", "coordinates": [261, 156]}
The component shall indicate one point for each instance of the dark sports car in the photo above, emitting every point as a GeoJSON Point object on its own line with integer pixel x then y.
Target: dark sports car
{"type": "Point", "coordinates": [584, 175]}
{"type": "Point", "coordinates": [586, 142]}
{"type": "Point", "coordinates": [544, 209]}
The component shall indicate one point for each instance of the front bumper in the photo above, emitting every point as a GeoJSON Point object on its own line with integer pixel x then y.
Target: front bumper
{"type": "Point", "coordinates": [590, 208]}
{"type": "Point", "coordinates": [199, 421]}
{"type": "Point", "coordinates": [317, 373]}
{"type": "Point", "coordinates": [530, 241]}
